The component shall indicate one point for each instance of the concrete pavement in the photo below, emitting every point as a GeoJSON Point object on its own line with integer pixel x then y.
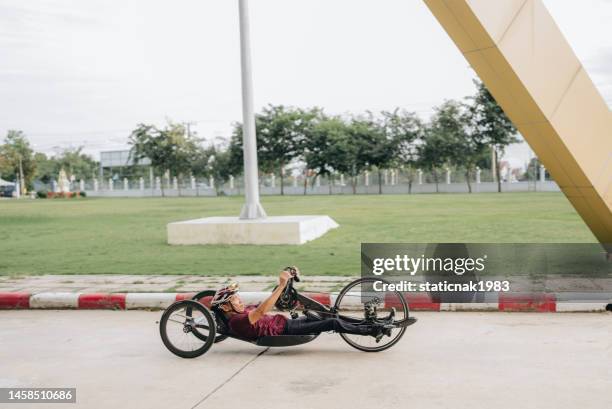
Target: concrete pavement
{"type": "Point", "coordinates": [157, 291]}
{"type": "Point", "coordinates": [447, 360]}
{"type": "Point", "coordinates": [113, 283]}
{"type": "Point", "coordinates": [153, 291]}
{"type": "Point", "coordinates": [119, 283]}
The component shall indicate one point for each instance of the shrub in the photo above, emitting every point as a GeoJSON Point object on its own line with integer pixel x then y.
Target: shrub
{"type": "Point", "coordinates": [82, 193]}
{"type": "Point", "coordinates": [42, 194]}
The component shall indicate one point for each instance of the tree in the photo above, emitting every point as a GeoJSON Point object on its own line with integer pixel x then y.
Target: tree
{"type": "Point", "coordinates": [215, 162]}
{"type": "Point", "coordinates": [72, 160]}
{"type": "Point", "coordinates": [169, 149]}
{"type": "Point", "coordinates": [280, 133]}
{"type": "Point", "coordinates": [330, 148]}
{"type": "Point", "coordinates": [434, 152]}
{"type": "Point", "coordinates": [404, 129]}
{"type": "Point", "coordinates": [235, 152]}
{"type": "Point", "coordinates": [375, 148]}
{"type": "Point", "coordinates": [75, 163]}
{"type": "Point", "coordinates": [45, 167]}
{"type": "Point", "coordinates": [184, 148]}
{"type": "Point", "coordinates": [532, 171]}
{"type": "Point", "coordinates": [490, 121]}
{"type": "Point", "coordinates": [465, 146]}
{"type": "Point", "coordinates": [17, 159]}
{"type": "Point", "coordinates": [351, 155]}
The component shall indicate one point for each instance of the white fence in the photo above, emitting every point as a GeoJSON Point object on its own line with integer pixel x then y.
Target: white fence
{"type": "Point", "coordinates": [135, 190]}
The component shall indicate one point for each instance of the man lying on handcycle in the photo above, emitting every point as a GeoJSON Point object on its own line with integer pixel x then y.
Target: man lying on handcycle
{"type": "Point", "coordinates": [252, 321]}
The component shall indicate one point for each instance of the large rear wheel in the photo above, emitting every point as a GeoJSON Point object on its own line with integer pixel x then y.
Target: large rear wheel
{"type": "Point", "coordinates": [360, 304]}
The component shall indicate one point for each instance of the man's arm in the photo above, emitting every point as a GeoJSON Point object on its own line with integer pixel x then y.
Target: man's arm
{"type": "Point", "coordinates": [268, 303]}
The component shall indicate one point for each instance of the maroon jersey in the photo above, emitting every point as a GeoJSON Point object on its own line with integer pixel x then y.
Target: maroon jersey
{"type": "Point", "coordinates": [273, 324]}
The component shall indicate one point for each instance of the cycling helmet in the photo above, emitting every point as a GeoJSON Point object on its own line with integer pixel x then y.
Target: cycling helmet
{"type": "Point", "coordinates": [223, 295]}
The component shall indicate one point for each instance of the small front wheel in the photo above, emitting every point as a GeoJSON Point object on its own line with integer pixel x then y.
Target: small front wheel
{"type": "Point", "coordinates": [358, 303]}
{"type": "Point", "coordinates": [187, 329]}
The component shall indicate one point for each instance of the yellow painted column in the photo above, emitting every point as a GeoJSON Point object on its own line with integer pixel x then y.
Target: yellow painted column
{"type": "Point", "coordinates": [520, 54]}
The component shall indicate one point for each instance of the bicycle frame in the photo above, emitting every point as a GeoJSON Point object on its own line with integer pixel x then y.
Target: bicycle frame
{"type": "Point", "coordinates": [306, 303]}
{"type": "Point", "coordinates": [310, 304]}
{"type": "Point", "coordinates": [216, 323]}
{"type": "Point", "coordinates": [273, 340]}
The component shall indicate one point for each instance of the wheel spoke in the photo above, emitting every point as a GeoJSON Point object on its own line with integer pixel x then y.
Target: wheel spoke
{"type": "Point", "coordinates": [372, 305]}
{"type": "Point", "coordinates": [198, 323]}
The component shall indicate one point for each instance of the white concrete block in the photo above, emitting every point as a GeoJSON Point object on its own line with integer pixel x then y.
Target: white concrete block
{"type": "Point", "coordinates": [148, 300]}
{"type": "Point", "coordinates": [480, 306]}
{"type": "Point", "coordinates": [580, 306]}
{"type": "Point", "coordinates": [352, 299]}
{"type": "Point", "coordinates": [54, 300]}
{"type": "Point", "coordinates": [232, 230]}
{"type": "Point", "coordinates": [253, 297]}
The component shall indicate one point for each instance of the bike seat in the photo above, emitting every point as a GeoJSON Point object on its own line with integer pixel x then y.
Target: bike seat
{"type": "Point", "coordinates": [313, 316]}
{"type": "Point", "coordinates": [409, 321]}
{"type": "Point", "coordinates": [284, 340]}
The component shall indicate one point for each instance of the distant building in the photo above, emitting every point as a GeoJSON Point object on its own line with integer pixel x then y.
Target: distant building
{"type": "Point", "coordinates": [113, 161]}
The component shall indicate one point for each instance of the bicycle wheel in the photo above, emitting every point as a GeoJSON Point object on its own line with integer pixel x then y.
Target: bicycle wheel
{"type": "Point", "coordinates": [204, 297]}
{"type": "Point", "coordinates": [177, 328]}
{"type": "Point", "coordinates": [360, 304]}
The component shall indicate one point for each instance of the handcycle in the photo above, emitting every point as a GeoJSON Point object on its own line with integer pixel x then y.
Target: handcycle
{"type": "Point", "coordinates": [189, 328]}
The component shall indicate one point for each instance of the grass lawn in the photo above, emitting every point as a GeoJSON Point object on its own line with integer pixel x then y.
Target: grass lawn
{"type": "Point", "coordinates": [128, 236]}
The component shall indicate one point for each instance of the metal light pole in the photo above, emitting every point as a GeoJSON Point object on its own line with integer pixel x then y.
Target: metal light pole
{"type": "Point", "coordinates": [252, 209]}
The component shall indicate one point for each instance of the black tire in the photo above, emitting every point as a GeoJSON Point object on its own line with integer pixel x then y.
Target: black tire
{"type": "Point", "coordinates": [191, 308]}
{"type": "Point", "coordinates": [198, 297]}
{"type": "Point", "coordinates": [401, 328]}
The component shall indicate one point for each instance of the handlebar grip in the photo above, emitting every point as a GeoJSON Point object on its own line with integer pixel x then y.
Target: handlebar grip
{"type": "Point", "coordinates": [294, 274]}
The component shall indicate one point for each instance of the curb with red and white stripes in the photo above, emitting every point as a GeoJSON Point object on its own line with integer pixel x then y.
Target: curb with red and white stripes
{"type": "Point", "coordinates": [564, 302]}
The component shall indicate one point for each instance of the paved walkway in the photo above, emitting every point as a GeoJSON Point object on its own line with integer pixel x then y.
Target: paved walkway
{"type": "Point", "coordinates": [109, 283]}
{"type": "Point", "coordinates": [115, 359]}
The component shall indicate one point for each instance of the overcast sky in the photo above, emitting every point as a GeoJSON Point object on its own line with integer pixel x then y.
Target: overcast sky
{"type": "Point", "coordinates": [85, 73]}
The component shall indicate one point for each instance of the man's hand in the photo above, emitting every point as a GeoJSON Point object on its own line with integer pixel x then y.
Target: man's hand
{"type": "Point", "coordinates": [256, 314]}
{"type": "Point", "coordinates": [283, 278]}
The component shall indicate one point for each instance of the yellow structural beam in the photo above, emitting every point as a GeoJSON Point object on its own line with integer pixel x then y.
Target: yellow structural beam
{"type": "Point", "coordinates": [520, 54]}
